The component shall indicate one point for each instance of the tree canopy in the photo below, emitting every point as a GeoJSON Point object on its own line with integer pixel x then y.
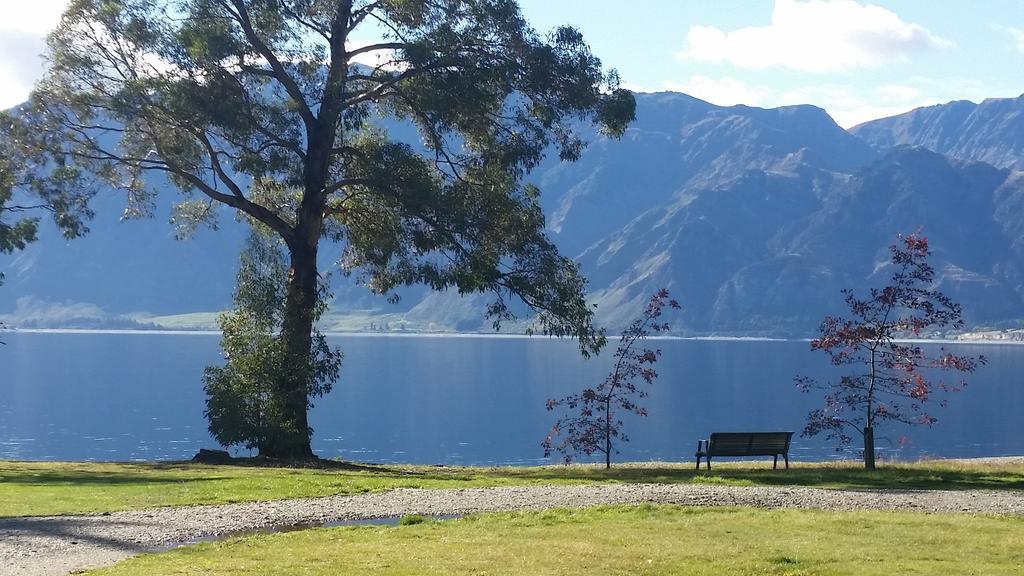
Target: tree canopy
{"type": "Point", "coordinates": [24, 195]}
{"type": "Point", "coordinates": [264, 105]}
{"type": "Point", "coordinates": [29, 188]}
{"type": "Point", "coordinates": [280, 110]}
{"type": "Point", "coordinates": [17, 234]}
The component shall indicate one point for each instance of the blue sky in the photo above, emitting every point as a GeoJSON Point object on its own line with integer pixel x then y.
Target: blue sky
{"type": "Point", "coordinates": [858, 60]}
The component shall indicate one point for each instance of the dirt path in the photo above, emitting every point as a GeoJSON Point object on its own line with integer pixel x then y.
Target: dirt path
{"type": "Point", "coordinates": [57, 545]}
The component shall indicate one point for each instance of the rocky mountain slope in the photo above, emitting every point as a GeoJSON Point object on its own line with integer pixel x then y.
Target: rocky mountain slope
{"type": "Point", "coordinates": [755, 219]}
{"type": "Point", "coordinates": [990, 132]}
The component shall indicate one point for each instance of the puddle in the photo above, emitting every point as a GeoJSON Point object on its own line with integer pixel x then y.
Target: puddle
{"type": "Point", "coordinates": [385, 521]}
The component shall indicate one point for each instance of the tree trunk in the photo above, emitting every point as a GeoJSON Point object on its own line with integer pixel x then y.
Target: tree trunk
{"type": "Point", "coordinates": [869, 431]}
{"type": "Point", "coordinates": [869, 448]}
{"type": "Point", "coordinates": [291, 439]}
{"type": "Point", "coordinates": [608, 433]}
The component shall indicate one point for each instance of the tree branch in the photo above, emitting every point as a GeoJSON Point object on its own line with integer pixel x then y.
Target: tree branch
{"type": "Point", "coordinates": [241, 15]}
{"type": "Point", "coordinates": [375, 47]}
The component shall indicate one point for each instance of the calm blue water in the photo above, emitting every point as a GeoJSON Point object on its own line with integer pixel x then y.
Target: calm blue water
{"type": "Point", "coordinates": [457, 400]}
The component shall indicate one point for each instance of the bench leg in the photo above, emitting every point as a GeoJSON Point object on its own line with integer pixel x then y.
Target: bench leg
{"type": "Point", "coordinates": [709, 462]}
{"type": "Point", "coordinates": [698, 462]}
{"type": "Point", "coordinates": [786, 456]}
{"type": "Point", "coordinates": [775, 463]}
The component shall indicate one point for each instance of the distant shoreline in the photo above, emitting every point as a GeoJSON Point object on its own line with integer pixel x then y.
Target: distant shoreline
{"type": "Point", "coordinates": [410, 334]}
{"type": "Point", "coordinates": [394, 334]}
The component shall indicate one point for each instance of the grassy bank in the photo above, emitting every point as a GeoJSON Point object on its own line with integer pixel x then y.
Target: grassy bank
{"type": "Point", "coordinates": [45, 488]}
{"type": "Point", "coordinates": [621, 540]}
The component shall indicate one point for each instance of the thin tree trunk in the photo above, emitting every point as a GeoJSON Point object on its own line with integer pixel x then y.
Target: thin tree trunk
{"type": "Point", "coordinates": [608, 434]}
{"type": "Point", "coordinates": [869, 448]}
{"type": "Point", "coordinates": [869, 430]}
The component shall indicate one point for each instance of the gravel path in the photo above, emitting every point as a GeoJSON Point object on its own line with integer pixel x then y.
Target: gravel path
{"type": "Point", "coordinates": [42, 546]}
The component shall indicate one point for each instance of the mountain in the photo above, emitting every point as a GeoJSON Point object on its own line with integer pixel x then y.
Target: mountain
{"type": "Point", "coordinates": [753, 218]}
{"type": "Point", "coordinates": [768, 252]}
{"type": "Point", "coordinates": [991, 132]}
{"type": "Point", "coordinates": [120, 272]}
{"type": "Point", "coordinates": [676, 144]}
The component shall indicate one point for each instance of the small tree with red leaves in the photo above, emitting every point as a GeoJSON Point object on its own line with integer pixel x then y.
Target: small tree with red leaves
{"type": "Point", "coordinates": [596, 428]}
{"type": "Point", "coordinates": [895, 379]}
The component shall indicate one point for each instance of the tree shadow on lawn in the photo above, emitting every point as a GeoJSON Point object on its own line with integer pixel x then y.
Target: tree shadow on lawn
{"type": "Point", "coordinates": [86, 478]}
{"type": "Point", "coordinates": [168, 472]}
{"type": "Point", "coordinates": [900, 478]}
{"type": "Point", "coordinates": [20, 532]}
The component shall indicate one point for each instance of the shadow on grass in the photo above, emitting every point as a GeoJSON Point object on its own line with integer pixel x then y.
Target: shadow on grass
{"type": "Point", "coordinates": [922, 478]}
{"type": "Point", "coordinates": [96, 478]}
{"type": "Point", "coordinates": [270, 463]}
{"type": "Point", "coordinates": [172, 472]}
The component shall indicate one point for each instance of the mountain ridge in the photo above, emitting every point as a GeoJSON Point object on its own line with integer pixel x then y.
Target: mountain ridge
{"type": "Point", "coordinates": [991, 131]}
{"type": "Point", "coordinates": [753, 218]}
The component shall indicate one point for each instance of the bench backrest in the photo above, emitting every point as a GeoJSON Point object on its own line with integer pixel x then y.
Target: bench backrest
{"type": "Point", "coordinates": [749, 443]}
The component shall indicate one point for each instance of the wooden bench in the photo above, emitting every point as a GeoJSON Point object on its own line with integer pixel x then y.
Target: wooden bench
{"type": "Point", "coordinates": [745, 444]}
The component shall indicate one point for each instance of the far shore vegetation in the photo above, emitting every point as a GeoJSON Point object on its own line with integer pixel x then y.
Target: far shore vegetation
{"type": "Point", "coordinates": [644, 539]}
{"type": "Point", "coordinates": [53, 488]}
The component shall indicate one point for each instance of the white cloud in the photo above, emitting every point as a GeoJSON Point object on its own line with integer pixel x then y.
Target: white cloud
{"type": "Point", "coordinates": [725, 91]}
{"type": "Point", "coordinates": [23, 30]}
{"type": "Point", "coordinates": [20, 66]}
{"type": "Point", "coordinates": [1018, 38]}
{"type": "Point", "coordinates": [814, 36]}
{"type": "Point", "coordinates": [37, 17]}
{"type": "Point", "coordinates": [849, 108]}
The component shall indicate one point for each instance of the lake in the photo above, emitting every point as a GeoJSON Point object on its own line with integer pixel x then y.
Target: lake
{"type": "Point", "coordinates": [457, 400]}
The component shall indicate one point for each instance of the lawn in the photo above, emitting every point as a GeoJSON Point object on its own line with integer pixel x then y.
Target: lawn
{"type": "Point", "coordinates": [642, 539]}
{"type": "Point", "coordinates": [45, 488]}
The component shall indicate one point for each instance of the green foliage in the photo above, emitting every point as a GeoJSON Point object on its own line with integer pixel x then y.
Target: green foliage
{"type": "Point", "coordinates": [413, 519]}
{"type": "Point", "coordinates": [241, 404]}
{"type": "Point", "coordinates": [17, 235]}
{"type": "Point", "coordinates": [24, 193]}
{"type": "Point", "coordinates": [32, 183]}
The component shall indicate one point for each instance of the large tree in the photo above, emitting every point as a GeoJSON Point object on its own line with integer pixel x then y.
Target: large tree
{"type": "Point", "coordinates": [274, 108]}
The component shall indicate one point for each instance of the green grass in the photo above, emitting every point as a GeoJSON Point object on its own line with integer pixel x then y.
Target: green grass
{"type": "Point", "coordinates": [45, 488]}
{"type": "Point", "coordinates": [190, 321]}
{"type": "Point", "coordinates": [621, 540]}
